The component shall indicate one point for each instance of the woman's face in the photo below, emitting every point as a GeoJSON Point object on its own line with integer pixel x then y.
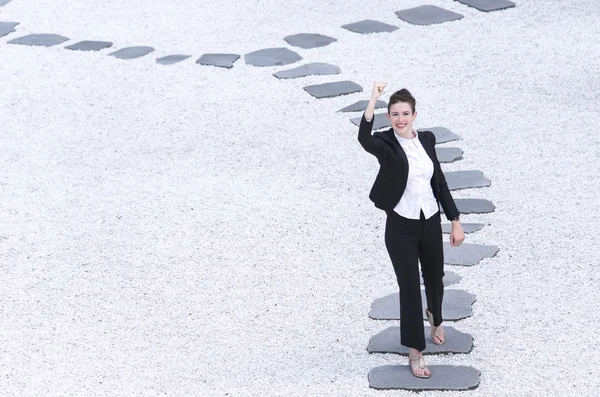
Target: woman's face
{"type": "Point", "coordinates": [401, 118]}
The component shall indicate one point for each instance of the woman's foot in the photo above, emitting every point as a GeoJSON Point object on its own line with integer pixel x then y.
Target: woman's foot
{"type": "Point", "coordinates": [438, 336]}
{"type": "Point", "coordinates": [417, 364]}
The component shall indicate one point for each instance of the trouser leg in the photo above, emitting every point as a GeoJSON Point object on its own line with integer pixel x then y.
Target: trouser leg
{"type": "Point", "coordinates": [431, 255]}
{"type": "Point", "coordinates": [401, 240]}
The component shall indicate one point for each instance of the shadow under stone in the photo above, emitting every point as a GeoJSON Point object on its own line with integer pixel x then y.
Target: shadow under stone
{"type": "Point", "coordinates": [428, 15]}
{"type": "Point", "coordinates": [219, 60]}
{"type": "Point", "coordinates": [272, 57]}
{"type": "Point", "coordinates": [329, 90]}
{"type": "Point", "coordinates": [488, 5]}
{"type": "Point", "coordinates": [442, 134]}
{"type": "Point", "coordinates": [448, 154]}
{"type": "Point", "coordinates": [467, 227]}
{"type": "Point", "coordinates": [171, 59]}
{"type": "Point", "coordinates": [369, 26]}
{"type": "Point", "coordinates": [473, 206]}
{"type": "Point", "coordinates": [309, 40]}
{"type": "Point", "coordinates": [456, 306]}
{"type": "Point", "coordinates": [132, 52]}
{"type": "Point", "coordinates": [388, 341]}
{"type": "Point", "coordinates": [466, 179]}
{"type": "Point", "coordinates": [468, 254]}
{"type": "Point", "coordinates": [43, 39]}
{"type": "Point", "coordinates": [360, 106]}
{"type": "Point", "coordinates": [316, 68]}
{"type": "Point", "coordinates": [7, 27]}
{"type": "Point", "coordinates": [443, 377]}
{"type": "Point", "coordinates": [88, 45]}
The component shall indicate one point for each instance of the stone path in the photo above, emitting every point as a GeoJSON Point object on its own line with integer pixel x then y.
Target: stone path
{"type": "Point", "coordinates": [457, 303]}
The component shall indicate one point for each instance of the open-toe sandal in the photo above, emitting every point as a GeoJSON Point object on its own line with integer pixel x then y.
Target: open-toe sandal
{"type": "Point", "coordinates": [436, 332]}
{"type": "Point", "coordinates": [417, 363]}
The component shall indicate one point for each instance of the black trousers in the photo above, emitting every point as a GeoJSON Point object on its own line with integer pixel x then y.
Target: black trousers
{"type": "Point", "coordinates": [409, 241]}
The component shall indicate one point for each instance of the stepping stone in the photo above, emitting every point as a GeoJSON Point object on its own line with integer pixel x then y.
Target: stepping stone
{"type": "Point", "coordinates": [309, 40]}
{"type": "Point", "coordinates": [388, 341]}
{"type": "Point", "coordinates": [444, 377]}
{"type": "Point", "coordinates": [360, 106]}
{"type": "Point", "coordinates": [473, 206]}
{"type": "Point", "coordinates": [488, 5]}
{"type": "Point", "coordinates": [369, 26]}
{"type": "Point", "coordinates": [448, 154]}
{"type": "Point", "coordinates": [272, 57]}
{"type": "Point", "coordinates": [7, 27]}
{"type": "Point", "coordinates": [132, 52]}
{"type": "Point", "coordinates": [329, 90]}
{"type": "Point", "coordinates": [88, 45]}
{"type": "Point", "coordinates": [379, 122]}
{"type": "Point", "coordinates": [427, 15]}
{"type": "Point", "coordinates": [44, 39]}
{"type": "Point", "coordinates": [219, 60]}
{"type": "Point", "coordinates": [317, 68]}
{"type": "Point", "coordinates": [4, 2]}
{"type": "Point", "coordinates": [466, 179]}
{"type": "Point", "coordinates": [468, 254]}
{"type": "Point", "coordinates": [442, 134]}
{"type": "Point", "coordinates": [450, 278]}
{"type": "Point", "coordinates": [467, 227]}
{"type": "Point", "coordinates": [456, 306]}
{"type": "Point", "coordinates": [171, 59]}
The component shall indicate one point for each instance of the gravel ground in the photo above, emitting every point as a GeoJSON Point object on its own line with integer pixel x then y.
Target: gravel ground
{"type": "Point", "coordinates": [193, 231]}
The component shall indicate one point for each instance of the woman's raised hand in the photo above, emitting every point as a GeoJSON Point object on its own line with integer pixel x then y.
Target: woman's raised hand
{"type": "Point", "coordinates": [377, 89]}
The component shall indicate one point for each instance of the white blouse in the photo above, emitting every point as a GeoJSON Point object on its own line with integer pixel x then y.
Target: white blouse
{"type": "Point", "coordinates": [418, 194]}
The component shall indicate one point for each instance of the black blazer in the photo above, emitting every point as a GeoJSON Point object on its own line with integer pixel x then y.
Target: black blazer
{"type": "Point", "coordinates": [393, 171]}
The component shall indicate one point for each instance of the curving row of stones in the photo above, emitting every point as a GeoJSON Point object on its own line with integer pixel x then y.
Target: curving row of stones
{"type": "Point", "coordinates": [457, 303]}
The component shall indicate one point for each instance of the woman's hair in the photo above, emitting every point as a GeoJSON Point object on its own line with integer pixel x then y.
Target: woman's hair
{"type": "Point", "coordinates": [402, 96]}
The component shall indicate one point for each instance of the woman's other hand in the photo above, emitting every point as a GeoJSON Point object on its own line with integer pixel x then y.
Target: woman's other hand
{"type": "Point", "coordinates": [457, 234]}
{"type": "Point", "coordinates": [377, 90]}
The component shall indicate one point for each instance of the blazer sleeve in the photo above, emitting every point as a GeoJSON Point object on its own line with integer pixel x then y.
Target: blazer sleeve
{"type": "Point", "coordinates": [445, 196]}
{"type": "Point", "coordinates": [375, 146]}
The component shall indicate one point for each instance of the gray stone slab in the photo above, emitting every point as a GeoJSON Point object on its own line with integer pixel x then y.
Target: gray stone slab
{"type": "Point", "coordinates": [272, 57]}
{"type": "Point", "coordinates": [442, 134]}
{"type": "Point", "coordinates": [448, 154]}
{"type": "Point", "coordinates": [488, 5]}
{"type": "Point", "coordinates": [7, 27]}
{"type": "Point", "coordinates": [89, 45]}
{"type": "Point", "coordinates": [219, 60]}
{"type": "Point", "coordinates": [369, 26]}
{"type": "Point", "coordinates": [467, 227]}
{"type": "Point", "coordinates": [473, 206]}
{"type": "Point", "coordinates": [466, 179]}
{"type": "Point", "coordinates": [171, 59]}
{"type": "Point", "coordinates": [388, 341]}
{"type": "Point", "coordinates": [43, 39]}
{"type": "Point", "coordinates": [316, 68]}
{"type": "Point", "coordinates": [4, 2]}
{"type": "Point", "coordinates": [379, 122]}
{"type": "Point", "coordinates": [443, 377]}
{"type": "Point", "coordinates": [329, 90]}
{"type": "Point", "coordinates": [468, 254]}
{"type": "Point", "coordinates": [427, 15]}
{"type": "Point", "coordinates": [450, 278]}
{"type": "Point", "coordinates": [456, 306]}
{"type": "Point", "coordinates": [360, 106]}
{"type": "Point", "coordinates": [309, 40]}
{"type": "Point", "coordinates": [132, 52]}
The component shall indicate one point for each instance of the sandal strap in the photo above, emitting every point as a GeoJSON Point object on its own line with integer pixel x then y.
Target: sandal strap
{"type": "Point", "coordinates": [422, 363]}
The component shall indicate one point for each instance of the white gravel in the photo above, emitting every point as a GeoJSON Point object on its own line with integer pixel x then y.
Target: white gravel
{"type": "Point", "coordinates": [193, 231]}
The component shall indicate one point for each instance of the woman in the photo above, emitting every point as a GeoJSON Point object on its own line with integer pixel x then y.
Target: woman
{"type": "Point", "coordinates": [409, 187]}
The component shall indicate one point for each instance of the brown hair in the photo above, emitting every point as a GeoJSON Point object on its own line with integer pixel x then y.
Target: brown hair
{"type": "Point", "coordinates": [402, 96]}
